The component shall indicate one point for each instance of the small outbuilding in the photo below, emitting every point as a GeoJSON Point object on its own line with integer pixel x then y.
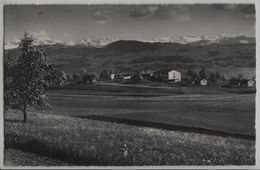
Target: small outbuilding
{"type": "Point", "coordinates": [203, 82]}
{"type": "Point", "coordinates": [251, 83]}
{"type": "Point", "coordinates": [126, 77]}
{"type": "Point", "coordinates": [112, 76]}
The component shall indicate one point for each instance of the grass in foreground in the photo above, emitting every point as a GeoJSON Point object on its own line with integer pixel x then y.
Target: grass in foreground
{"type": "Point", "coordinates": [89, 142]}
{"type": "Point", "coordinates": [28, 158]}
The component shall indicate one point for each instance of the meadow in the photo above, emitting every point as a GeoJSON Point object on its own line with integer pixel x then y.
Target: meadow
{"type": "Point", "coordinates": [55, 140]}
{"type": "Point", "coordinates": [127, 125]}
{"type": "Point", "coordinates": [222, 112]}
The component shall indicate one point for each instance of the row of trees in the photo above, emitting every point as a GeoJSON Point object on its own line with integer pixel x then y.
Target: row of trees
{"type": "Point", "coordinates": [106, 75]}
{"type": "Point", "coordinates": [204, 74]}
{"type": "Point", "coordinates": [191, 75]}
{"type": "Point", "coordinates": [26, 79]}
{"type": "Point", "coordinates": [83, 77]}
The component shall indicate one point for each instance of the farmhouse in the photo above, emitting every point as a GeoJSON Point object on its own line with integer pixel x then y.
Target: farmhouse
{"type": "Point", "coordinates": [203, 82]}
{"type": "Point", "coordinates": [126, 77]}
{"type": "Point", "coordinates": [168, 75]}
{"type": "Point", "coordinates": [122, 77]}
{"type": "Point", "coordinates": [147, 75]}
{"type": "Point", "coordinates": [242, 82]}
{"type": "Point", "coordinates": [251, 83]}
{"type": "Point", "coordinates": [112, 76]}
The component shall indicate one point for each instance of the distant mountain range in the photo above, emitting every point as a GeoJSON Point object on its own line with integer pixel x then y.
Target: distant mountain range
{"type": "Point", "coordinates": [225, 53]}
{"type": "Point", "coordinates": [199, 38]}
{"type": "Point", "coordinates": [47, 41]}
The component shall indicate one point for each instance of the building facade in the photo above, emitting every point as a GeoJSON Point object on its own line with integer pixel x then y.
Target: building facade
{"type": "Point", "coordinates": [168, 75]}
{"type": "Point", "coordinates": [174, 75]}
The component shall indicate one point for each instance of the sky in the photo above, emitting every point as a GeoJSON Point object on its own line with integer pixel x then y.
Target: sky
{"type": "Point", "coordinates": [128, 22]}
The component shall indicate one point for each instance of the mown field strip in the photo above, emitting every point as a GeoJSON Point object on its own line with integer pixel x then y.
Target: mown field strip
{"type": "Point", "coordinates": [156, 97]}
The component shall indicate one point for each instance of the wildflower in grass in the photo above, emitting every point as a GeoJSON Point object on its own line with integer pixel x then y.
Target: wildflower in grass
{"type": "Point", "coordinates": [125, 151]}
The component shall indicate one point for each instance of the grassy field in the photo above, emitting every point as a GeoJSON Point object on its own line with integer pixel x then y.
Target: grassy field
{"type": "Point", "coordinates": [225, 112]}
{"type": "Point", "coordinates": [135, 125]}
{"type": "Point", "coordinates": [78, 141]}
{"type": "Point", "coordinates": [155, 88]}
{"type": "Point", "coordinates": [25, 158]}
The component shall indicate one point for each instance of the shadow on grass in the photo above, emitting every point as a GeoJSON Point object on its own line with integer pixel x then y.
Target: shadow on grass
{"type": "Point", "coordinates": [167, 126]}
{"type": "Point", "coordinates": [14, 120]}
{"type": "Point", "coordinates": [41, 148]}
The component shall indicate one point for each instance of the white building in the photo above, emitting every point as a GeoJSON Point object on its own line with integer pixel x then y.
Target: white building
{"type": "Point", "coordinates": [126, 77]}
{"type": "Point", "coordinates": [251, 83]}
{"type": "Point", "coordinates": [168, 75]}
{"type": "Point", "coordinates": [174, 75]}
{"type": "Point", "coordinates": [203, 82]}
{"type": "Point", "coordinates": [112, 76]}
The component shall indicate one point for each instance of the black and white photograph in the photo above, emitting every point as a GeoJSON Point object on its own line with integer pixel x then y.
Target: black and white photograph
{"type": "Point", "coordinates": [129, 85]}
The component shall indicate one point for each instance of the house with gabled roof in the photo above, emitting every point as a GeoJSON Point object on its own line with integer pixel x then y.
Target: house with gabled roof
{"type": "Point", "coordinates": [168, 75]}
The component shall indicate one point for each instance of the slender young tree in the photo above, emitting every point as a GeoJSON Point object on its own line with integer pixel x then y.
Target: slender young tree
{"type": "Point", "coordinates": [27, 78]}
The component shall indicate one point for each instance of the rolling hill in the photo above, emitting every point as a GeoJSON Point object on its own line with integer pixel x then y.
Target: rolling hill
{"type": "Point", "coordinates": [125, 55]}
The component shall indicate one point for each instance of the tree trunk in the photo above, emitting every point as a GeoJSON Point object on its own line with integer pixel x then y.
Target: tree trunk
{"type": "Point", "coordinates": [25, 113]}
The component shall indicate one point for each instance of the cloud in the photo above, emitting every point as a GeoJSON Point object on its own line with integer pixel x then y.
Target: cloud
{"type": "Point", "coordinates": [247, 10]}
{"type": "Point", "coordinates": [41, 34]}
{"type": "Point", "coordinates": [99, 17]}
{"type": "Point", "coordinates": [181, 12]}
{"type": "Point", "coordinates": [144, 12]}
{"type": "Point", "coordinates": [101, 22]}
{"type": "Point", "coordinates": [67, 34]}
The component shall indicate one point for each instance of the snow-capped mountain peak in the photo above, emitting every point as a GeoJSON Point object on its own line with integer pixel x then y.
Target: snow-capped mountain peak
{"type": "Point", "coordinates": [12, 44]}
{"type": "Point", "coordinates": [181, 39]}
{"type": "Point", "coordinates": [45, 41]}
{"type": "Point", "coordinates": [96, 43]}
{"type": "Point", "coordinates": [99, 43]}
{"type": "Point", "coordinates": [69, 43]}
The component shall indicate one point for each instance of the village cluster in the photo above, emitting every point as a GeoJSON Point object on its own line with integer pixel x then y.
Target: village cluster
{"type": "Point", "coordinates": [201, 77]}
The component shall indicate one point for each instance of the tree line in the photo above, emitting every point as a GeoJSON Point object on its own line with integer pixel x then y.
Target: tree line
{"type": "Point", "coordinates": [212, 76]}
